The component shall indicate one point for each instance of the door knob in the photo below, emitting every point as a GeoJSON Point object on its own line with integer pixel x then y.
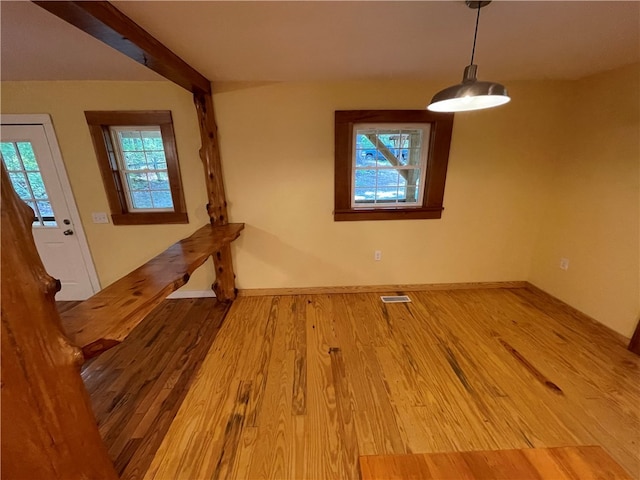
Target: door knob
{"type": "Point", "coordinates": [68, 232]}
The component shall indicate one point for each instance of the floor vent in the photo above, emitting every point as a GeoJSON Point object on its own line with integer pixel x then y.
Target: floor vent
{"type": "Point", "coordinates": [395, 299]}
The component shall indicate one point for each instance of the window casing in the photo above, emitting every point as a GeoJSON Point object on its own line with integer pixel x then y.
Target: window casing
{"type": "Point", "coordinates": [390, 164]}
{"type": "Point", "coordinates": [138, 161]}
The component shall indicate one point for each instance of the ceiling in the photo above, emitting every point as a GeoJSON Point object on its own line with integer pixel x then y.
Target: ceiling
{"type": "Point", "coordinates": [334, 40]}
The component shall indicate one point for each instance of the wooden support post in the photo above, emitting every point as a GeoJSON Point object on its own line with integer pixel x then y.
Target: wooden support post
{"type": "Point", "coordinates": [48, 427]}
{"type": "Point", "coordinates": [105, 22]}
{"type": "Point", "coordinates": [224, 286]}
{"type": "Point", "coordinates": [210, 155]}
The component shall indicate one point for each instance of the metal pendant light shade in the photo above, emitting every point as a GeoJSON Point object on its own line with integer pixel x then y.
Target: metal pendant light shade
{"type": "Point", "coordinates": [470, 94]}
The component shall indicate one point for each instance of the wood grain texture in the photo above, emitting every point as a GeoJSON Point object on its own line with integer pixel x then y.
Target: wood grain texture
{"type": "Point", "coordinates": [224, 286]}
{"type": "Point", "coordinates": [561, 463]}
{"type": "Point", "coordinates": [210, 156]}
{"type": "Point", "coordinates": [105, 22]}
{"type": "Point", "coordinates": [48, 428]}
{"type": "Point", "coordinates": [430, 376]}
{"type": "Point", "coordinates": [137, 387]}
{"type": "Point", "coordinates": [397, 289]}
{"type": "Point", "coordinates": [104, 320]}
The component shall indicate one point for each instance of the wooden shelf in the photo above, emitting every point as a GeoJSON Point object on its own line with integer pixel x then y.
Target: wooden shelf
{"type": "Point", "coordinates": [104, 320]}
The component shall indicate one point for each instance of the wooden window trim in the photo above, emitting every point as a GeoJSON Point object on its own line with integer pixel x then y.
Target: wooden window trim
{"type": "Point", "coordinates": [99, 123]}
{"type": "Point", "coordinates": [439, 145]}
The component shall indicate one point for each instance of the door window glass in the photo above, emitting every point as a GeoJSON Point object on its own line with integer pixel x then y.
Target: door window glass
{"type": "Point", "coordinates": [20, 162]}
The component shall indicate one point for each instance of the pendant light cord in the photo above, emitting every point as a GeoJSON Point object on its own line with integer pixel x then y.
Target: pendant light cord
{"type": "Point", "coordinates": [475, 34]}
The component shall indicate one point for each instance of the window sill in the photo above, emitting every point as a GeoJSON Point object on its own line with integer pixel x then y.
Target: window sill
{"type": "Point", "coordinates": [149, 218]}
{"type": "Point", "coordinates": [387, 214]}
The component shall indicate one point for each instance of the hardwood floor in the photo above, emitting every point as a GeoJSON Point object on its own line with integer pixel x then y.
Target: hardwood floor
{"type": "Point", "coordinates": [560, 463]}
{"type": "Point", "coordinates": [137, 387]}
{"type": "Point", "coordinates": [300, 386]}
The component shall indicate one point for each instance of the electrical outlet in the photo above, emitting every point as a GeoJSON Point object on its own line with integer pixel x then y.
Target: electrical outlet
{"type": "Point", "coordinates": [100, 217]}
{"type": "Point", "coordinates": [564, 264]}
{"type": "Point", "coordinates": [377, 255]}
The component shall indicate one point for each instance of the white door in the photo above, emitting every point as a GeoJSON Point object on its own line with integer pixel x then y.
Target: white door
{"type": "Point", "coordinates": [29, 155]}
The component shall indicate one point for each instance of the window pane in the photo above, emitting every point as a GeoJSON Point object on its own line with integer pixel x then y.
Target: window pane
{"type": "Point", "coordinates": [412, 157]}
{"type": "Point", "coordinates": [364, 195]}
{"type": "Point", "coordinates": [365, 178]}
{"type": "Point", "coordinates": [141, 199]}
{"type": "Point", "coordinates": [137, 181]}
{"type": "Point", "coordinates": [152, 139]}
{"type": "Point", "coordinates": [37, 185]}
{"type": "Point", "coordinates": [135, 161]}
{"type": "Point", "coordinates": [366, 152]}
{"type": "Point", "coordinates": [366, 158]}
{"type": "Point", "coordinates": [19, 182]}
{"type": "Point", "coordinates": [412, 185]}
{"type": "Point", "coordinates": [157, 160]}
{"type": "Point", "coordinates": [388, 178]}
{"type": "Point", "coordinates": [28, 157]}
{"type": "Point", "coordinates": [387, 194]}
{"type": "Point", "coordinates": [383, 162]}
{"type": "Point", "coordinates": [411, 138]}
{"type": "Point", "coordinates": [45, 209]}
{"type": "Point", "coordinates": [158, 180]}
{"type": "Point", "coordinates": [162, 199]}
{"type": "Point", "coordinates": [363, 139]}
{"type": "Point", "coordinates": [130, 140]}
{"type": "Point", "coordinates": [10, 156]}
{"type": "Point", "coordinates": [388, 138]}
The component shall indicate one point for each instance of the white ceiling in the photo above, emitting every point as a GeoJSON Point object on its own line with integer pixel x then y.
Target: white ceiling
{"type": "Point", "coordinates": [335, 40]}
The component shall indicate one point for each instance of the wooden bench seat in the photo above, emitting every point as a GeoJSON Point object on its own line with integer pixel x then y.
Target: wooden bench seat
{"type": "Point", "coordinates": [105, 319]}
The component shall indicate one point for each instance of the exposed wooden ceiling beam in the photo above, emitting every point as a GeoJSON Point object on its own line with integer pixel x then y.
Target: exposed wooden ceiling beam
{"type": "Point", "coordinates": [103, 21]}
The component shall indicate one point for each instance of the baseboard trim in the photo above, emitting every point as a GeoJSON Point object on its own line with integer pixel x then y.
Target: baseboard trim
{"type": "Point", "coordinates": [191, 294]}
{"type": "Point", "coordinates": [574, 312]}
{"type": "Point", "coordinates": [258, 292]}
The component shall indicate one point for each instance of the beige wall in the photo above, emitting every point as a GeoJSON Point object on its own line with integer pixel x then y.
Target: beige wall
{"type": "Point", "coordinates": [117, 250]}
{"type": "Point", "coordinates": [277, 145]}
{"type": "Point", "coordinates": [504, 198]}
{"type": "Point", "coordinates": [592, 216]}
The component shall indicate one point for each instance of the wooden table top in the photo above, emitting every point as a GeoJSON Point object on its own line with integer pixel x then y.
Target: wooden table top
{"type": "Point", "coordinates": [560, 463]}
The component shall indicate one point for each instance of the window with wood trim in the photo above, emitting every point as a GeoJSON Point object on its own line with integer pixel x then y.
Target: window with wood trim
{"type": "Point", "coordinates": [390, 164]}
{"type": "Point", "coordinates": [138, 162]}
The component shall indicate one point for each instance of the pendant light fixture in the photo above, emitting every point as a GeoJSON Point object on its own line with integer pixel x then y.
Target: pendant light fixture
{"type": "Point", "coordinates": [471, 94]}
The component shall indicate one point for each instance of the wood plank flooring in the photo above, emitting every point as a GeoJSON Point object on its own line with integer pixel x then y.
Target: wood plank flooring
{"type": "Point", "coordinates": [137, 387]}
{"type": "Point", "coordinates": [561, 463]}
{"type": "Point", "coordinates": [299, 386]}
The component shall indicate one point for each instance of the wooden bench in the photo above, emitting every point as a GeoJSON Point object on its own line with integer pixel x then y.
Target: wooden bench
{"type": "Point", "coordinates": [105, 319]}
